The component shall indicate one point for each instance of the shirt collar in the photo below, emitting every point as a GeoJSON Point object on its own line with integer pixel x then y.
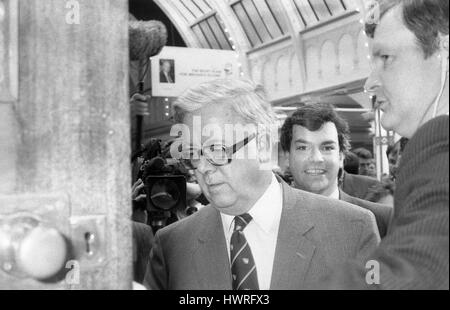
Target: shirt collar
{"type": "Point", "coordinates": [266, 212]}
{"type": "Point", "coordinates": [335, 194]}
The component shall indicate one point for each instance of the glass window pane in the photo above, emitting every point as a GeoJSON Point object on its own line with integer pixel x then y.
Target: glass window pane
{"type": "Point", "coordinates": [219, 32]}
{"type": "Point", "coordinates": [201, 37]}
{"type": "Point", "coordinates": [306, 11]}
{"type": "Point", "coordinates": [256, 20]}
{"type": "Point", "coordinates": [335, 7]}
{"type": "Point", "coordinates": [268, 18]}
{"type": "Point", "coordinates": [209, 35]}
{"type": "Point", "coordinates": [246, 25]}
{"type": "Point", "coordinates": [188, 15]}
{"type": "Point", "coordinates": [277, 11]}
{"type": "Point", "coordinates": [320, 9]}
{"type": "Point", "coordinates": [202, 6]}
{"type": "Point", "coordinates": [350, 4]}
{"type": "Point", "coordinates": [208, 4]}
{"type": "Point", "coordinates": [193, 8]}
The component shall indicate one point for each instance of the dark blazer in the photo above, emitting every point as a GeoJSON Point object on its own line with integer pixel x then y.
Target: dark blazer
{"type": "Point", "coordinates": [142, 243]}
{"type": "Point", "coordinates": [163, 79]}
{"type": "Point", "coordinates": [357, 185]}
{"type": "Point", "coordinates": [383, 213]}
{"type": "Point", "coordinates": [415, 252]}
{"type": "Point", "coordinates": [315, 234]}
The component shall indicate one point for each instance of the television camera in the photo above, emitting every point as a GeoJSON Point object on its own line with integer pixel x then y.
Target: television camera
{"type": "Point", "coordinates": [165, 184]}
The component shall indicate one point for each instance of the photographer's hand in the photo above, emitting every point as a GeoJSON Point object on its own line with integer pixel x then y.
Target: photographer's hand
{"type": "Point", "coordinates": [136, 191]}
{"type": "Point", "coordinates": [193, 191]}
{"type": "Point", "coordinates": [139, 105]}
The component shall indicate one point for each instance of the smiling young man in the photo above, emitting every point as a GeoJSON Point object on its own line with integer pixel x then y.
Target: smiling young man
{"type": "Point", "coordinates": [258, 232]}
{"type": "Point", "coordinates": [410, 81]}
{"type": "Point", "coordinates": [316, 140]}
{"type": "Point", "coordinates": [314, 149]}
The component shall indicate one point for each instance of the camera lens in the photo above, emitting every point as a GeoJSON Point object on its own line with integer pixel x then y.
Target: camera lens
{"type": "Point", "coordinates": [164, 194]}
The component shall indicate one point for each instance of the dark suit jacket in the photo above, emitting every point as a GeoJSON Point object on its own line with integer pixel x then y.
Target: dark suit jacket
{"type": "Point", "coordinates": [163, 79]}
{"type": "Point", "coordinates": [415, 252]}
{"type": "Point", "coordinates": [357, 185]}
{"type": "Point", "coordinates": [383, 213]}
{"type": "Point", "coordinates": [315, 234]}
{"type": "Point", "coordinates": [142, 243]}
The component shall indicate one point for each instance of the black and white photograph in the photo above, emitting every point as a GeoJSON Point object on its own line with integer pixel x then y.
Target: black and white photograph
{"type": "Point", "coordinates": [212, 147]}
{"type": "Point", "coordinates": [167, 71]}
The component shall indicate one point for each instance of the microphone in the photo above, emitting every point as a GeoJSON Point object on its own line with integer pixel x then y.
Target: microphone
{"type": "Point", "coordinates": [146, 39]}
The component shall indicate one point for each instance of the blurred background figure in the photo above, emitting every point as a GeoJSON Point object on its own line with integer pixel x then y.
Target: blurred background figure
{"type": "Point", "coordinates": [164, 191]}
{"type": "Point", "coordinates": [367, 164]}
{"type": "Point", "coordinates": [351, 182]}
{"type": "Point", "coordinates": [286, 175]}
{"type": "Point", "coordinates": [351, 163]}
{"type": "Point", "coordinates": [394, 153]}
{"type": "Point", "coordinates": [382, 192]}
{"type": "Point", "coordinates": [142, 244]}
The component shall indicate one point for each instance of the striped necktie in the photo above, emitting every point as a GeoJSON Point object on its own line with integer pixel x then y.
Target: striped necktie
{"type": "Point", "coordinates": [243, 268]}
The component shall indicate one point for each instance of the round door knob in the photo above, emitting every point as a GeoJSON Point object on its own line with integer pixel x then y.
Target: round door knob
{"type": "Point", "coordinates": [30, 249]}
{"type": "Point", "coordinates": [42, 253]}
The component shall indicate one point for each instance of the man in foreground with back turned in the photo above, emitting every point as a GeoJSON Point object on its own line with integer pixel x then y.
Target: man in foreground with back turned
{"type": "Point", "coordinates": [410, 81]}
{"type": "Point", "coordinates": [258, 232]}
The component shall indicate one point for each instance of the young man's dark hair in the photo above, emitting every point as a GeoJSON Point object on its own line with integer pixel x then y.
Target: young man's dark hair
{"type": "Point", "coordinates": [312, 117]}
{"type": "Point", "coordinates": [391, 148]}
{"type": "Point", "coordinates": [351, 163]}
{"type": "Point", "coordinates": [403, 142]}
{"type": "Point", "coordinates": [425, 18]}
{"type": "Point", "coordinates": [363, 153]}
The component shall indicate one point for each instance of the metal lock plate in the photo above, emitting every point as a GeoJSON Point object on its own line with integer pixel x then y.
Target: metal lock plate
{"type": "Point", "coordinates": [52, 210]}
{"type": "Point", "coordinates": [89, 240]}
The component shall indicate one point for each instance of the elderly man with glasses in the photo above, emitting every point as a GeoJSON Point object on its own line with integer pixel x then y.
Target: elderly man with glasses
{"type": "Point", "coordinates": [257, 232]}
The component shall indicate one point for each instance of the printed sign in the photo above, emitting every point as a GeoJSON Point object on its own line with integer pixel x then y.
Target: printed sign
{"type": "Point", "coordinates": [176, 69]}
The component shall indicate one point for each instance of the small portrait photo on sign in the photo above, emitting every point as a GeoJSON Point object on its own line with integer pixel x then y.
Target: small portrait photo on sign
{"type": "Point", "coordinates": [167, 71]}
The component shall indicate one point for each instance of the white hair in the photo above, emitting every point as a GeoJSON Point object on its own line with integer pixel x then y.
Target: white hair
{"type": "Point", "coordinates": [243, 96]}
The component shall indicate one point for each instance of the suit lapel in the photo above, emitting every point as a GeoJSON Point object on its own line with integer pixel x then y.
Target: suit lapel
{"type": "Point", "coordinates": [293, 251]}
{"type": "Point", "coordinates": [344, 197]}
{"type": "Point", "coordinates": [210, 257]}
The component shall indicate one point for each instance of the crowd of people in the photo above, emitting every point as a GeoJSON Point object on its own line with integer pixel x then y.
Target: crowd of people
{"type": "Point", "coordinates": [318, 224]}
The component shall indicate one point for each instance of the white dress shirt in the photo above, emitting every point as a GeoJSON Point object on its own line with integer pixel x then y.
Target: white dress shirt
{"type": "Point", "coordinates": [262, 232]}
{"type": "Point", "coordinates": [169, 79]}
{"type": "Point", "coordinates": [335, 194]}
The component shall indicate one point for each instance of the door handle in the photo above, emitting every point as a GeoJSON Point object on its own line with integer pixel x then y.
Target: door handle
{"type": "Point", "coordinates": [31, 249]}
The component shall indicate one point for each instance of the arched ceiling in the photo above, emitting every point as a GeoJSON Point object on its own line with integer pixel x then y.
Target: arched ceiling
{"type": "Point", "coordinates": [247, 24]}
{"type": "Point", "coordinates": [260, 30]}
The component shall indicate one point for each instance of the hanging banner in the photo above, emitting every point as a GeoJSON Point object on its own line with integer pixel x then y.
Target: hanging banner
{"type": "Point", "coordinates": [176, 69]}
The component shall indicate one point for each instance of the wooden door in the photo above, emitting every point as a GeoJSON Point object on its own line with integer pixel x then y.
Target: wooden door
{"type": "Point", "coordinates": [64, 145]}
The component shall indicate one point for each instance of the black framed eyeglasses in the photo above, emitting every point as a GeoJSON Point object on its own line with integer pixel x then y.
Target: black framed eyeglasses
{"type": "Point", "coordinates": [216, 154]}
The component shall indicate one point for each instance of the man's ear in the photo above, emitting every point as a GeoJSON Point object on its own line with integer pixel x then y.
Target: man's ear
{"type": "Point", "coordinates": [444, 47]}
{"type": "Point", "coordinates": [267, 146]}
{"type": "Point", "coordinates": [444, 44]}
{"type": "Point", "coordinates": [341, 159]}
{"type": "Point", "coordinates": [263, 144]}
